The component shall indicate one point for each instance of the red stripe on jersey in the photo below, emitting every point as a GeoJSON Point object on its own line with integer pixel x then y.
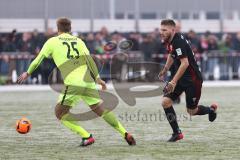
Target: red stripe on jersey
{"type": "Point", "coordinates": [197, 83]}
{"type": "Point", "coordinates": [169, 48]}
{"type": "Point", "coordinates": [192, 72]}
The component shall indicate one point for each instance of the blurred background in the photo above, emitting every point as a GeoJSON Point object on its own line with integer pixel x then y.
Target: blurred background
{"type": "Point", "coordinates": [212, 27]}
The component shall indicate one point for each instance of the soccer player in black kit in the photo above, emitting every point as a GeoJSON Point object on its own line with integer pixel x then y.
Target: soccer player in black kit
{"type": "Point", "coordinates": [187, 78]}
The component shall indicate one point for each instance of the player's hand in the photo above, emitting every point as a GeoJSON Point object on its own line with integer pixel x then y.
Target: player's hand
{"type": "Point", "coordinates": [22, 77]}
{"type": "Point", "coordinates": [102, 83]}
{"type": "Point", "coordinates": [162, 74]}
{"type": "Point", "coordinates": [169, 88]}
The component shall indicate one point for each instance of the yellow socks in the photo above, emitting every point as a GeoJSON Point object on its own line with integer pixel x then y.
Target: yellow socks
{"type": "Point", "coordinates": [110, 118]}
{"type": "Point", "coordinates": [75, 127]}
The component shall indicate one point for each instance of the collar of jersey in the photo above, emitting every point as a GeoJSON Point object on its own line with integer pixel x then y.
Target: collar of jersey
{"type": "Point", "coordinates": [175, 35]}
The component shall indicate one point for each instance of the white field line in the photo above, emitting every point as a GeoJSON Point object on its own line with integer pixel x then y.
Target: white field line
{"type": "Point", "coordinates": [20, 88]}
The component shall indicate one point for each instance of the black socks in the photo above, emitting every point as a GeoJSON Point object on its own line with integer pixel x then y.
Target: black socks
{"type": "Point", "coordinates": [172, 119]}
{"type": "Point", "coordinates": [202, 110]}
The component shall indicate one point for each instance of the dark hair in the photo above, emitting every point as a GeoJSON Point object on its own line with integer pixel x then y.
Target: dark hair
{"type": "Point", "coordinates": [168, 22]}
{"type": "Point", "coordinates": [64, 24]}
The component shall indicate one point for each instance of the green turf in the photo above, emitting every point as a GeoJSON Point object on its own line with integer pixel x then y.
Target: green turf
{"type": "Point", "coordinates": [48, 139]}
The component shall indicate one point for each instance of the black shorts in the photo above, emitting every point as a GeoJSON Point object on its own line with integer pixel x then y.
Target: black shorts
{"type": "Point", "coordinates": [192, 92]}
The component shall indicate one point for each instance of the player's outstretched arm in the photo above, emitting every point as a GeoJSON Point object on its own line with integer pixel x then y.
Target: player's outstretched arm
{"type": "Point", "coordinates": [33, 66]}
{"type": "Point", "coordinates": [166, 67]}
{"type": "Point", "coordinates": [45, 52]}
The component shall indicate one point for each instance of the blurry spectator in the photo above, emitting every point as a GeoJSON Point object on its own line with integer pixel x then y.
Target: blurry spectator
{"type": "Point", "coordinates": [90, 43]}
{"type": "Point", "coordinates": [99, 43]}
{"type": "Point", "coordinates": [157, 57]}
{"type": "Point", "coordinates": [105, 34]}
{"type": "Point", "coordinates": [212, 55]}
{"type": "Point", "coordinates": [3, 62]}
{"type": "Point", "coordinates": [225, 47]}
{"type": "Point", "coordinates": [47, 64]}
{"type": "Point", "coordinates": [236, 60]}
{"type": "Point", "coordinates": [9, 44]}
{"type": "Point", "coordinates": [159, 48]}
{"type": "Point", "coordinates": [1, 43]}
{"type": "Point", "coordinates": [100, 40]}
{"type": "Point", "coordinates": [236, 42]}
{"type": "Point", "coordinates": [118, 64]}
{"type": "Point", "coordinates": [195, 42]}
{"type": "Point", "coordinates": [147, 47]}
{"type": "Point", "coordinates": [212, 43]}
{"type": "Point", "coordinates": [118, 38]}
{"type": "Point", "coordinates": [148, 44]}
{"type": "Point", "coordinates": [134, 38]}
{"type": "Point", "coordinates": [26, 45]}
{"type": "Point", "coordinates": [38, 41]}
{"type": "Point", "coordinates": [204, 58]}
{"type": "Point", "coordinates": [159, 53]}
{"type": "Point", "coordinates": [156, 33]}
{"type": "Point", "coordinates": [207, 33]}
{"type": "Point", "coordinates": [0, 52]}
{"type": "Point", "coordinates": [204, 43]}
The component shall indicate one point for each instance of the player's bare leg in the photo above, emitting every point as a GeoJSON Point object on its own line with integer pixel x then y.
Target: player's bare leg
{"type": "Point", "coordinates": [61, 112]}
{"type": "Point", "coordinates": [172, 119]}
{"type": "Point", "coordinates": [202, 110]}
{"type": "Point", "coordinates": [111, 119]}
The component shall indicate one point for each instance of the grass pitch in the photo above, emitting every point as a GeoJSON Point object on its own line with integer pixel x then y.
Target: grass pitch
{"type": "Point", "coordinates": [48, 139]}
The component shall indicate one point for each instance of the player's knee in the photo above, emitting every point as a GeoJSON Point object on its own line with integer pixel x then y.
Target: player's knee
{"type": "Point", "coordinates": [166, 102]}
{"type": "Point", "coordinates": [60, 111]}
{"type": "Point", "coordinates": [98, 109]}
{"type": "Point", "coordinates": [192, 112]}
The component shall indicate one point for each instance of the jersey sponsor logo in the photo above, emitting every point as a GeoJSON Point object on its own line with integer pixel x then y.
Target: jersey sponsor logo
{"type": "Point", "coordinates": [67, 38]}
{"type": "Point", "coordinates": [179, 51]}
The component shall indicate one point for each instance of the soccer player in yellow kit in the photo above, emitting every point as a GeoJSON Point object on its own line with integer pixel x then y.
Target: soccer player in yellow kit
{"type": "Point", "coordinates": [80, 76]}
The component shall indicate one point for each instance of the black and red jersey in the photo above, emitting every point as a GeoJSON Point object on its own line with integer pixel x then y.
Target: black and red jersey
{"type": "Point", "coordinates": [180, 48]}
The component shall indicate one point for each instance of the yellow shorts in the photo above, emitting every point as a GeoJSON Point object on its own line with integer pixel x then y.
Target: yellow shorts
{"type": "Point", "coordinates": [71, 95]}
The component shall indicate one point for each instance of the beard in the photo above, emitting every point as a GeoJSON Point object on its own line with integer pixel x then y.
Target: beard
{"type": "Point", "coordinates": [166, 39]}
